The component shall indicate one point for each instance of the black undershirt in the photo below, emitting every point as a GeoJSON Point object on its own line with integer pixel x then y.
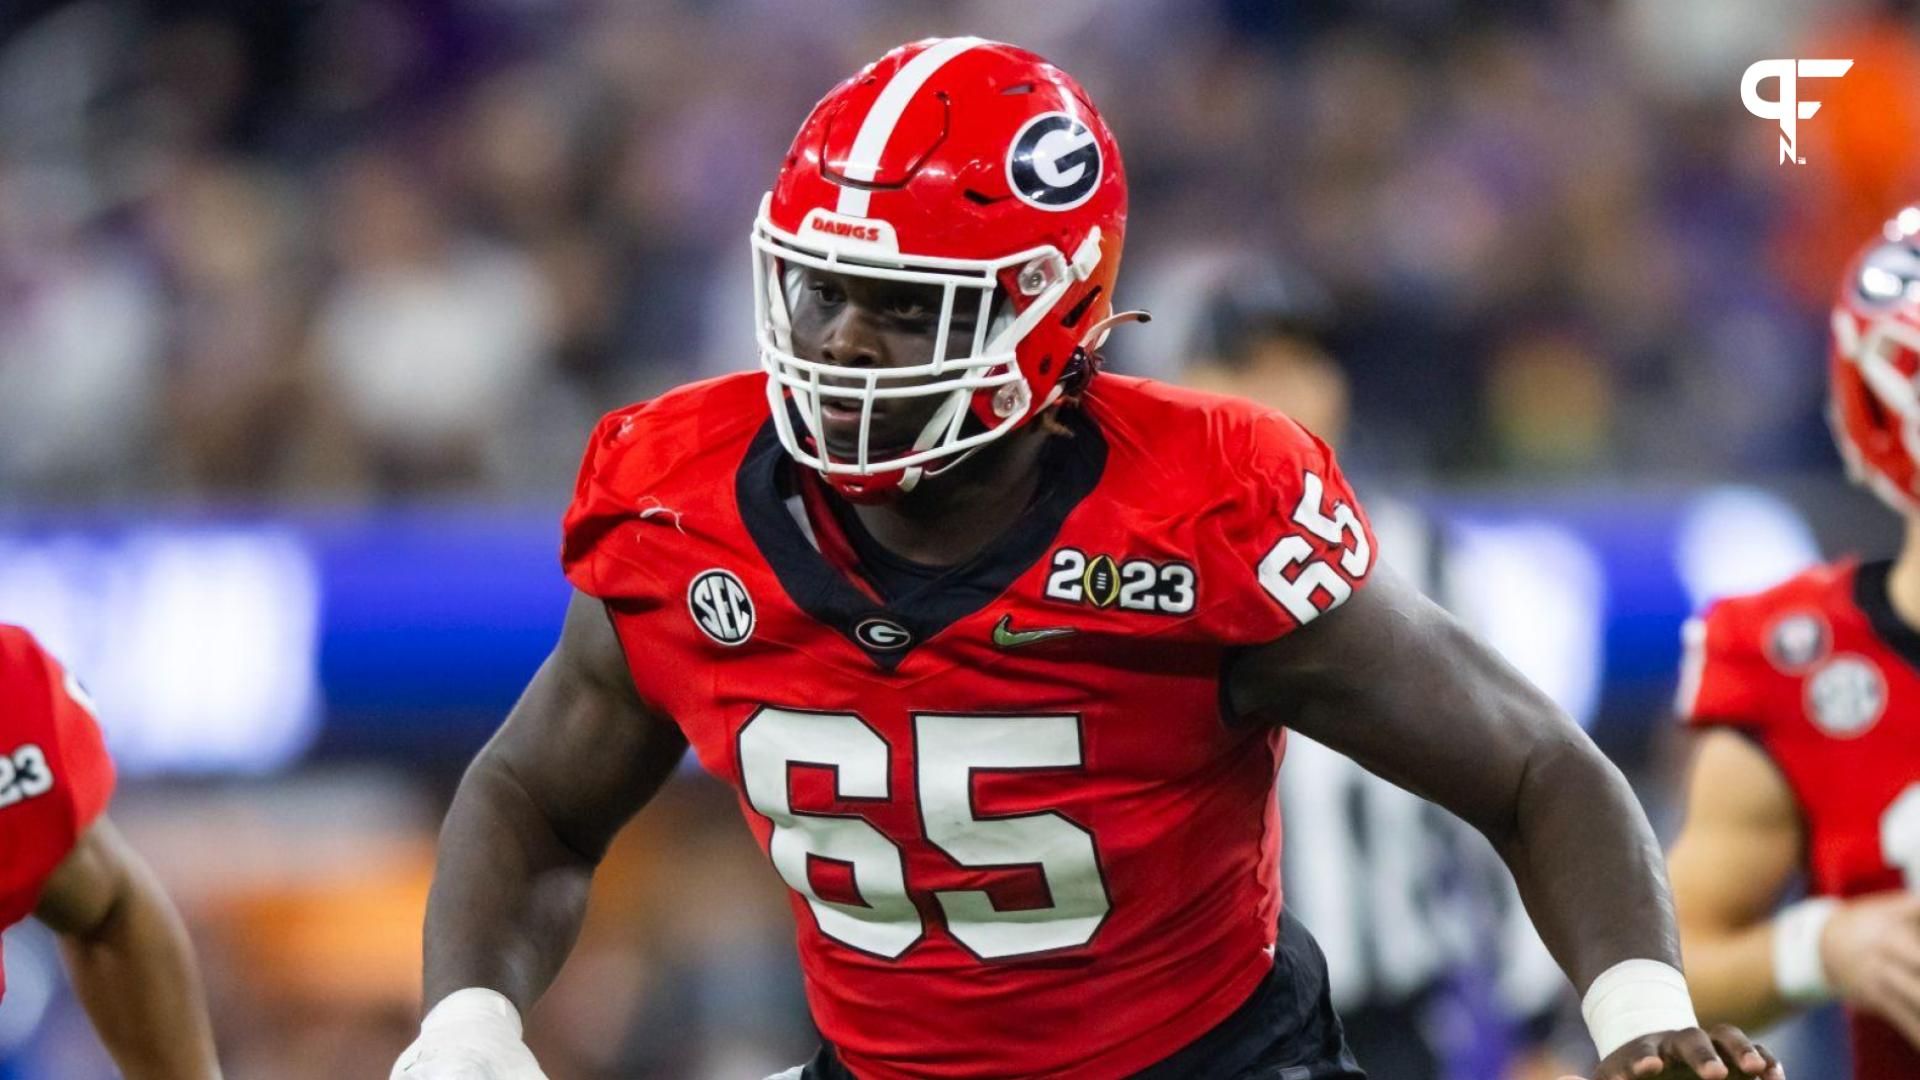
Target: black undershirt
{"type": "Point", "coordinates": [892, 576]}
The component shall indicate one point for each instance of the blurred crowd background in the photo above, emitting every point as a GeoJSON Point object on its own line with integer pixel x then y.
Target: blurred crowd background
{"type": "Point", "coordinates": [306, 307]}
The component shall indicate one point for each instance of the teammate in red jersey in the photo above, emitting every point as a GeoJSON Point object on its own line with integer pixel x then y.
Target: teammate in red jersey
{"type": "Point", "coordinates": [998, 651]}
{"type": "Point", "coordinates": [1808, 697]}
{"type": "Point", "coordinates": [62, 861]}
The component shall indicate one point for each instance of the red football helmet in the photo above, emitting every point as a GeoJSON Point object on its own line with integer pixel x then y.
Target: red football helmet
{"type": "Point", "coordinates": [1875, 364]}
{"type": "Point", "coordinates": [967, 164]}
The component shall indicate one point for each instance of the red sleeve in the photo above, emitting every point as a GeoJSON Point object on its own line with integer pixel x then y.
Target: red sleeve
{"type": "Point", "coordinates": [56, 777]}
{"type": "Point", "coordinates": [1293, 541]}
{"type": "Point", "coordinates": [1723, 673]}
{"type": "Point", "coordinates": [590, 551]}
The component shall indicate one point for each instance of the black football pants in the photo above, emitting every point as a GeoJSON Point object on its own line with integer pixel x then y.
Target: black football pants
{"type": "Point", "coordinates": [1286, 1031]}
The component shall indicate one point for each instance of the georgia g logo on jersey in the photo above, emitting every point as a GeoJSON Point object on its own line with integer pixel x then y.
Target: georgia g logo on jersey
{"type": "Point", "coordinates": [721, 607]}
{"type": "Point", "coordinates": [1054, 162]}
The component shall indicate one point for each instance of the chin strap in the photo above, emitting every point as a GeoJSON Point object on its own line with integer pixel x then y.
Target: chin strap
{"type": "Point", "coordinates": [1080, 366]}
{"type": "Point", "coordinates": [1097, 333]}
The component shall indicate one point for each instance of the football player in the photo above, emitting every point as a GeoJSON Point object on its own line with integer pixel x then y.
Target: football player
{"type": "Point", "coordinates": [62, 861]}
{"type": "Point", "coordinates": [1807, 698]}
{"type": "Point", "coordinates": [998, 651]}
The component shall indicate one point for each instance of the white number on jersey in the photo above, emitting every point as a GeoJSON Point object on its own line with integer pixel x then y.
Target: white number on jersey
{"type": "Point", "coordinates": [1900, 835]}
{"type": "Point", "coordinates": [1315, 576]}
{"type": "Point", "coordinates": [23, 775]}
{"type": "Point", "coordinates": [774, 739]}
{"type": "Point", "coordinates": [950, 750]}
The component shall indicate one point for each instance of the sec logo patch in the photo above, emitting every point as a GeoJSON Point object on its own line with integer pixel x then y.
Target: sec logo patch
{"type": "Point", "coordinates": [721, 607]}
{"type": "Point", "coordinates": [1846, 696]}
{"type": "Point", "coordinates": [1797, 641]}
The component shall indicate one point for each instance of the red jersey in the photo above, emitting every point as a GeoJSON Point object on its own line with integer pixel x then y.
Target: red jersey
{"type": "Point", "coordinates": [55, 776]}
{"type": "Point", "coordinates": [1021, 836]}
{"type": "Point", "coordinates": [1824, 676]}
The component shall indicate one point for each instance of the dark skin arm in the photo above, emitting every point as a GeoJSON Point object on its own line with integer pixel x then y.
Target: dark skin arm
{"type": "Point", "coordinates": [1392, 681]}
{"type": "Point", "coordinates": [130, 961]}
{"type": "Point", "coordinates": [578, 756]}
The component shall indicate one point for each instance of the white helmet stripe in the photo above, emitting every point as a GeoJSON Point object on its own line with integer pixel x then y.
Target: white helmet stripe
{"type": "Point", "coordinates": [863, 161]}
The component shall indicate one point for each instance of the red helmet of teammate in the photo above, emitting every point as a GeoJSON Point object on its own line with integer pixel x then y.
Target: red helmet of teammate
{"type": "Point", "coordinates": [1875, 364]}
{"type": "Point", "coordinates": [965, 164]}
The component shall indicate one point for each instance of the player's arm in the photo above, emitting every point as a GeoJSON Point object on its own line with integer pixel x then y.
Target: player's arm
{"type": "Point", "coordinates": [1391, 680]}
{"type": "Point", "coordinates": [131, 963]}
{"type": "Point", "coordinates": [1738, 850]}
{"type": "Point", "coordinates": [578, 756]}
{"type": "Point", "coordinates": [1749, 965]}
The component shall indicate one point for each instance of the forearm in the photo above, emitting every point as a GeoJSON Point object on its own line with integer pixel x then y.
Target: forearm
{"type": "Point", "coordinates": [135, 974]}
{"type": "Point", "coordinates": [1731, 975]}
{"type": "Point", "coordinates": [1392, 681]}
{"type": "Point", "coordinates": [508, 893]}
{"type": "Point", "coordinates": [1588, 867]}
{"type": "Point", "coordinates": [579, 755]}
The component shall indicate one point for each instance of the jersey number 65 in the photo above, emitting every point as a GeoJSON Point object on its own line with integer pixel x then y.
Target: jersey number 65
{"type": "Point", "coordinates": [1298, 593]}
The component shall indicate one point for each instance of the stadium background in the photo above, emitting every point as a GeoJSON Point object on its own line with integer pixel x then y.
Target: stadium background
{"type": "Point", "coordinates": [306, 308]}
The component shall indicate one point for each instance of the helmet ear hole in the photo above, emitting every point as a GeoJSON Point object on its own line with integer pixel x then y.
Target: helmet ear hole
{"type": "Point", "coordinates": [1079, 310]}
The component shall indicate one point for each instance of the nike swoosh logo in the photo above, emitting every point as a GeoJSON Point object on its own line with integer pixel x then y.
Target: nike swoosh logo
{"type": "Point", "coordinates": [1005, 636]}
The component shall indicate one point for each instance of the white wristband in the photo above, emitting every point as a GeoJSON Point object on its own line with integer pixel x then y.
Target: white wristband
{"type": "Point", "coordinates": [475, 1005]}
{"type": "Point", "coordinates": [1634, 998]}
{"type": "Point", "coordinates": [1798, 972]}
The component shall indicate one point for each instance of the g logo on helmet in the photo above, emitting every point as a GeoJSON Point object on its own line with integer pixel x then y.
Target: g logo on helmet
{"type": "Point", "coordinates": [1054, 162]}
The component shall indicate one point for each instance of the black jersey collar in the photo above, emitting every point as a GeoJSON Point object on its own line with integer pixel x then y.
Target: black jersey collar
{"type": "Point", "coordinates": [888, 632]}
{"type": "Point", "coordinates": [1871, 597]}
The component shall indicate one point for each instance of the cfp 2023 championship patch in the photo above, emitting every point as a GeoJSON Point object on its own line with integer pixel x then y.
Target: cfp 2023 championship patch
{"type": "Point", "coordinates": [1164, 588]}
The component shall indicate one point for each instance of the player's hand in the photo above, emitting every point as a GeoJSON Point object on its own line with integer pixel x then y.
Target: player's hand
{"type": "Point", "coordinates": [1724, 1053]}
{"type": "Point", "coordinates": [472, 1035]}
{"type": "Point", "coordinates": [1871, 951]}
